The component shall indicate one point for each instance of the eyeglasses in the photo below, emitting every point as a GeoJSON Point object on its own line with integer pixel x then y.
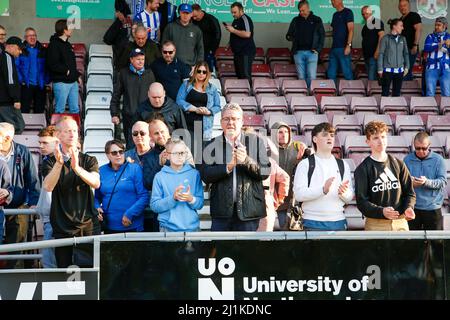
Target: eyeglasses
{"type": "Point", "coordinates": [422, 148]}
{"type": "Point", "coordinates": [178, 154]}
{"type": "Point", "coordinates": [226, 120]}
{"type": "Point", "coordinates": [117, 152]}
{"type": "Point", "coordinates": [202, 71]}
{"type": "Point", "coordinates": [167, 52]}
{"type": "Point", "coordinates": [142, 133]}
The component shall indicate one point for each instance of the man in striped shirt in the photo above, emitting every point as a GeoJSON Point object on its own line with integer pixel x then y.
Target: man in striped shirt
{"type": "Point", "coordinates": [151, 19]}
{"type": "Point", "coordinates": [437, 45]}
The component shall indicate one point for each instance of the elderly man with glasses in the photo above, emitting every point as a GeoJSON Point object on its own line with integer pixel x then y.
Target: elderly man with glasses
{"type": "Point", "coordinates": [169, 70]}
{"type": "Point", "coordinates": [235, 164]}
{"type": "Point", "coordinates": [141, 140]}
{"type": "Point", "coordinates": [429, 176]}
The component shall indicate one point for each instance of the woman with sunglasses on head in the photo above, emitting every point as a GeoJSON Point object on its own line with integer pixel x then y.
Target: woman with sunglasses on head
{"type": "Point", "coordinates": [121, 198]}
{"type": "Point", "coordinates": [177, 191]}
{"type": "Point", "coordinates": [200, 101]}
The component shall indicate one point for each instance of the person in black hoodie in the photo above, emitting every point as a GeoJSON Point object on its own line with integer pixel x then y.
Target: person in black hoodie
{"type": "Point", "coordinates": [119, 32]}
{"type": "Point", "coordinates": [211, 33]}
{"type": "Point", "coordinates": [383, 186]}
{"type": "Point", "coordinates": [9, 84]}
{"type": "Point", "coordinates": [157, 102]}
{"type": "Point", "coordinates": [62, 65]}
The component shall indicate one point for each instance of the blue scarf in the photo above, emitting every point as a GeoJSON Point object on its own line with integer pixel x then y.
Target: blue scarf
{"type": "Point", "coordinates": [139, 72]}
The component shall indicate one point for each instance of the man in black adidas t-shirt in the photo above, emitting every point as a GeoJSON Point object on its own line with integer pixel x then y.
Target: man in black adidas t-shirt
{"type": "Point", "coordinates": [383, 185]}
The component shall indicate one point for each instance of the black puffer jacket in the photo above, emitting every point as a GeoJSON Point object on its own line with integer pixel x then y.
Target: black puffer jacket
{"type": "Point", "coordinates": [60, 59]}
{"type": "Point", "coordinates": [250, 192]}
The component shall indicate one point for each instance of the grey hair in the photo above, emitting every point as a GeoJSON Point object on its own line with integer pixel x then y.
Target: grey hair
{"type": "Point", "coordinates": [7, 129]}
{"type": "Point", "coordinates": [140, 27]}
{"type": "Point", "coordinates": [232, 106]}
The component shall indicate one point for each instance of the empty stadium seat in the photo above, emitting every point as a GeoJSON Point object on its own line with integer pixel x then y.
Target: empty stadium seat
{"type": "Point", "coordinates": [357, 54]}
{"type": "Point", "coordinates": [354, 87]}
{"type": "Point", "coordinates": [237, 86]}
{"type": "Point", "coordinates": [408, 123]}
{"type": "Point", "coordinates": [412, 87]}
{"type": "Point", "coordinates": [284, 70]}
{"type": "Point", "coordinates": [99, 83]}
{"type": "Point", "coordinates": [248, 104]}
{"type": "Point", "coordinates": [309, 121]}
{"type": "Point", "coordinates": [100, 51]}
{"type": "Point", "coordinates": [355, 144]}
{"type": "Point", "coordinates": [298, 87]}
{"type": "Point", "coordinates": [34, 122]}
{"type": "Point", "coordinates": [79, 49]}
{"type": "Point", "coordinates": [100, 66]}
{"type": "Point", "coordinates": [254, 121]}
{"type": "Point", "coordinates": [303, 104]}
{"type": "Point", "coordinates": [97, 101]}
{"type": "Point", "coordinates": [347, 123]}
{"type": "Point", "coordinates": [444, 105]}
{"type": "Point", "coordinates": [439, 126]}
{"type": "Point", "coordinates": [224, 53]}
{"type": "Point", "coordinates": [265, 85]}
{"type": "Point", "coordinates": [373, 87]}
{"type": "Point", "coordinates": [261, 70]}
{"type": "Point", "coordinates": [334, 104]}
{"type": "Point", "coordinates": [94, 143]}
{"type": "Point", "coordinates": [29, 141]}
{"type": "Point", "coordinates": [273, 105]}
{"type": "Point", "coordinates": [396, 105]}
{"type": "Point", "coordinates": [424, 105]}
{"type": "Point", "coordinates": [225, 69]}
{"type": "Point", "coordinates": [278, 54]}
{"type": "Point", "coordinates": [323, 86]}
{"type": "Point", "coordinates": [98, 125]}
{"type": "Point", "coordinates": [364, 104]}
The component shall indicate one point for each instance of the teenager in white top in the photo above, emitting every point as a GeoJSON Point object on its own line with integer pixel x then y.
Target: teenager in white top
{"type": "Point", "coordinates": [330, 187]}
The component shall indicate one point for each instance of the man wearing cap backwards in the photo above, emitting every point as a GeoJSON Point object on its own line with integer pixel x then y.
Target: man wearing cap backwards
{"type": "Point", "coordinates": [437, 45]}
{"type": "Point", "coordinates": [186, 36]}
{"type": "Point", "coordinates": [9, 84]}
{"type": "Point", "coordinates": [133, 84]}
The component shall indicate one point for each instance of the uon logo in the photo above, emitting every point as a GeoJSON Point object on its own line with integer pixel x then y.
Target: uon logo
{"type": "Point", "coordinates": [207, 289]}
{"type": "Point", "coordinates": [386, 181]}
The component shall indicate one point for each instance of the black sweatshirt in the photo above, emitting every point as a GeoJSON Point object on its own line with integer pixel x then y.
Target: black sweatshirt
{"type": "Point", "coordinates": [211, 32]}
{"type": "Point", "coordinates": [60, 60]}
{"type": "Point", "coordinates": [383, 184]}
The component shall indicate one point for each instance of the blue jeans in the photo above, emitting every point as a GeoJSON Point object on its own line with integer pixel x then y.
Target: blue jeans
{"type": "Point", "coordinates": [66, 92]}
{"type": "Point", "coordinates": [306, 63]}
{"type": "Point", "coordinates": [48, 254]}
{"type": "Point", "coordinates": [412, 60]}
{"type": "Point", "coordinates": [337, 58]}
{"type": "Point", "coordinates": [2, 219]}
{"type": "Point", "coordinates": [313, 225]}
{"type": "Point", "coordinates": [371, 68]}
{"type": "Point", "coordinates": [431, 78]}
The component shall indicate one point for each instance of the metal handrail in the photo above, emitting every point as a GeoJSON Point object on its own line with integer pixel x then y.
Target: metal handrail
{"type": "Point", "coordinates": [13, 212]}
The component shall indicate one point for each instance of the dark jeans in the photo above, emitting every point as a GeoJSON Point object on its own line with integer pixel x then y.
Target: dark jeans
{"type": "Point", "coordinates": [234, 223]}
{"type": "Point", "coordinates": [243, 67]}
{"type": "Point", "coordinates": [210, 60]}
{"type": "Point", "coordinates": [33, 94]}
{"type": "Point", "coordinates": [81, 255]}
{"type": "Point", "coordinates": [426, 220]}
{"type": "Point", "coordinates": [127, 122]}
{"type": "Point", "coordinates": [396, 79]}
{"type": "Point", "coordinates": [14, 116]}
{"type": "Point", "coordinates": [151, 223]}
{"type": "Point", "coordinates": [282, 219]}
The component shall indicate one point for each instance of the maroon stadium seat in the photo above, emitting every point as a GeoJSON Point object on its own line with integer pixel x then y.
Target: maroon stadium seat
{"type": "Point", "coordinates": [265, 85]}
{"type": "Point", "coordinates": [284, 70]}
{"type": "Point", "coordinates": [237, 86]}
{"type": "Point", "coordinates": [424, 105]}
{"type": "Point", "coordinates": [294, 86]}
{"type": "Point", "coordinates": [364, 104]}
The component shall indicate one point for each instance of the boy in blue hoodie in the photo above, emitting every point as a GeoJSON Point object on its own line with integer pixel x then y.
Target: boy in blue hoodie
{"type": "Point", "coordinates": [177, 191]}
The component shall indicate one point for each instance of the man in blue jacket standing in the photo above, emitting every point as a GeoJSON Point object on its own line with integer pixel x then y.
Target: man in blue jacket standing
{"type": "Point", "coordinates": [32, 73]}
{"type": "Point", "coordinates": [429, 180]}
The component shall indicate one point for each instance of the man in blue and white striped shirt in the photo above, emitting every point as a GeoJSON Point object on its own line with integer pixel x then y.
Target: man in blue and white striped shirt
{"type": "Point", "coordinates": [437, 45]}
{"type": "Point", "coordinates": [151, 19]}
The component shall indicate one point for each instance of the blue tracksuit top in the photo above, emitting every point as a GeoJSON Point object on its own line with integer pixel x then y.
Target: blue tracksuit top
{"type": "Point", "coordinates": [175, 215]}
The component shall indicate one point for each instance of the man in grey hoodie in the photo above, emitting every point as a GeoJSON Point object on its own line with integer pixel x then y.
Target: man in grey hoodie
{"type": "Point", "coordinates": [290, 154]}
{"type": "Point", "coordinates": [188, 38]}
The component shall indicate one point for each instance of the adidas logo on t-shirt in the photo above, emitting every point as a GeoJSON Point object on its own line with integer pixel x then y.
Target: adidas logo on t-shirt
{"type": "Point", "coordinates": [386, 181]}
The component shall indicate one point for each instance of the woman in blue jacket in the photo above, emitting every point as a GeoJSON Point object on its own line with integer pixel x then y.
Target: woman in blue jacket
{"type": "Point", "coordinates": [200, 101]}
{"type": "Point", "coordinates": [177, 191]}
{"type": "Point", "coordinates": [121, 198]}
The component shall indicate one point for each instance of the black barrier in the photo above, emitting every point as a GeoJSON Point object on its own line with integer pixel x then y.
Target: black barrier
{"type": "Point", "coordinates": [72, 284]}
{"type": "Point", "coordinates": [271, 269]}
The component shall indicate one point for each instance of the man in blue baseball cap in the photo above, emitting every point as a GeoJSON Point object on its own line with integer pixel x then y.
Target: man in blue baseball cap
{"type": "Point", "coordinates": [186, 36]}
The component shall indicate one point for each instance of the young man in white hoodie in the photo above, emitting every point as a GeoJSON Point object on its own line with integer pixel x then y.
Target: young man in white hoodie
{"type": "Point", "coordinates": [323, 184]}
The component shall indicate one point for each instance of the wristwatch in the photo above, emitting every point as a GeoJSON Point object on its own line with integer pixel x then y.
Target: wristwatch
{"type": "Point", "coordinates": [349, 44]}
